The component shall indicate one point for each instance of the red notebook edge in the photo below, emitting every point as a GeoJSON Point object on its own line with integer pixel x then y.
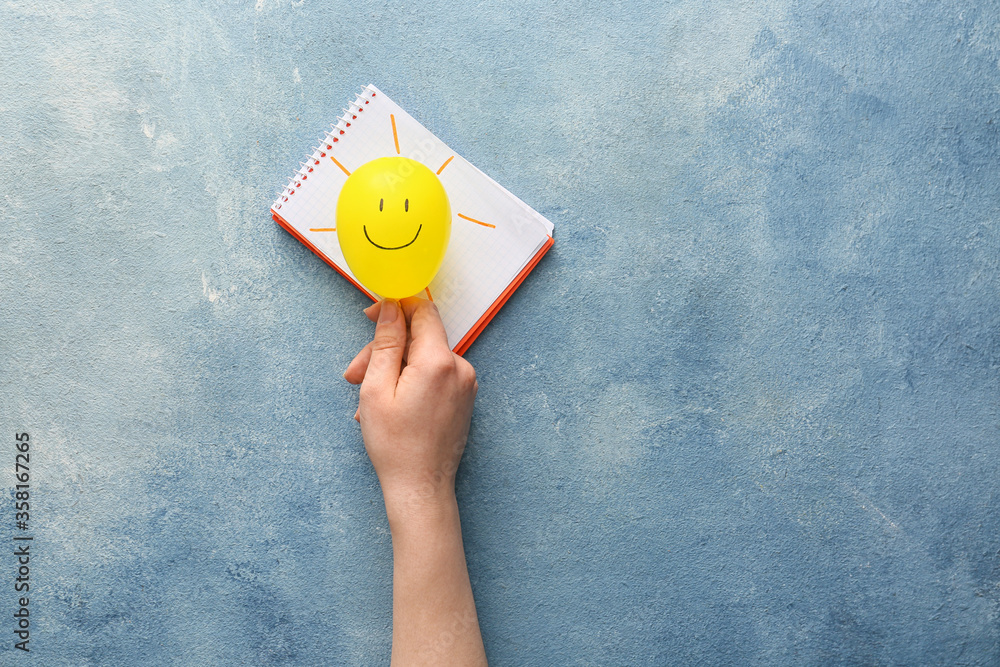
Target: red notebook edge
{"type": "Point", "coordinates": [474, 332]}
{"type": "Point", "coordinates": [291, 230]}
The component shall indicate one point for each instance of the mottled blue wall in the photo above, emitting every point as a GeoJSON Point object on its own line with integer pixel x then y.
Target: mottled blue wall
{"type": "Point", "coordinates": [745, 412]}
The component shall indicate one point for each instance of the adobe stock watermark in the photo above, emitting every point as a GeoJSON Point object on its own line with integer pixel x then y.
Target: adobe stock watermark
{"type": "Point", "coordinates": [22, 540]}
{"type": "Point", "coordinates": [432, 483]}
{"type": "Point", "coordinates": [462, 624]}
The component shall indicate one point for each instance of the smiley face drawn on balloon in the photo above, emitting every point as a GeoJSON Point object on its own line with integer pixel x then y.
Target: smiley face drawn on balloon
{"type": "Point", "coordinates": [393, 225]}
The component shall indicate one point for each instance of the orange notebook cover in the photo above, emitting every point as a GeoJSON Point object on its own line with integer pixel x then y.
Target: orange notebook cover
{"type": "Point", "coordinates": [496, 239]}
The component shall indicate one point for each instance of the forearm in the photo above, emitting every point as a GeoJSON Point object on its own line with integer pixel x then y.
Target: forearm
{"type": "Point", "coordinates": [414, 408]}
{"type": "Point", "coordinates": [434, 616]}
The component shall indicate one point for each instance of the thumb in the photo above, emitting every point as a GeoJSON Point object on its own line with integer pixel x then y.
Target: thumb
{"type": "Point", "coordinates": [387, 350]}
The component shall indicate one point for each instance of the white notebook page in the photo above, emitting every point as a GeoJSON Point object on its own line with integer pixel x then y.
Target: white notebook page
{"type": "Point", "coordinates": [481, 261]}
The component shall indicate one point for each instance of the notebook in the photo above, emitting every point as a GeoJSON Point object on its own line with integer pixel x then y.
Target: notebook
{"type": "Point", "coordinates": [496, 239]}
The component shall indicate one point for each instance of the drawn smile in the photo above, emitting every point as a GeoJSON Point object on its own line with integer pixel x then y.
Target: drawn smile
{"type": "Point", "coordinates": [387, 247]}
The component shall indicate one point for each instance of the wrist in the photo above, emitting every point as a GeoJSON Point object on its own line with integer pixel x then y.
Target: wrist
{"type": "Point", "coordinates": [419, 504]}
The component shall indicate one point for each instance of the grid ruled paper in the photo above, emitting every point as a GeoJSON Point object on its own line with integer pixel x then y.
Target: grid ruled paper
{"type": "Point", "coordinates": [480, 263]}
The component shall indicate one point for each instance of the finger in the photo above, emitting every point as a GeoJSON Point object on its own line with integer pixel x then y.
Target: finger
{"type": "Point", "coordinates": [426, 329]}
{"type": "Point", "coordinates": [387, 350]}
{"type": "Point", "coordinates": [357, 415]}
{"type": "Point", "coordinates": [355, 372]}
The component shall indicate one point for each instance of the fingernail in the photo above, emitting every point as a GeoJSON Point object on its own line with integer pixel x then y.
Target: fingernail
{"type": "Point", "coordinates": [388, 313]}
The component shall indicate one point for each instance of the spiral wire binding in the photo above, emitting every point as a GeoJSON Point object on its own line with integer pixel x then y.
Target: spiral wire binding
{"type": "Point", "coordinates": [326, 143]}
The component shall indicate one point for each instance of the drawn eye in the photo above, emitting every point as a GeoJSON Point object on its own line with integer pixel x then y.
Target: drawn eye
{"type": "Point", "coordinates": [380, 204]}
{"type": "Point", "coordinates": [406, 205]}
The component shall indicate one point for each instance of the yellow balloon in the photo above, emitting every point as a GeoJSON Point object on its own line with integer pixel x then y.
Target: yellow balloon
{"type": "Point", "coordinates": [393, 225]}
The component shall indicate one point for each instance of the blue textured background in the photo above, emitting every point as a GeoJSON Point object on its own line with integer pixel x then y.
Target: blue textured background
{"type": "Point", "coordinates": [745, 412]}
